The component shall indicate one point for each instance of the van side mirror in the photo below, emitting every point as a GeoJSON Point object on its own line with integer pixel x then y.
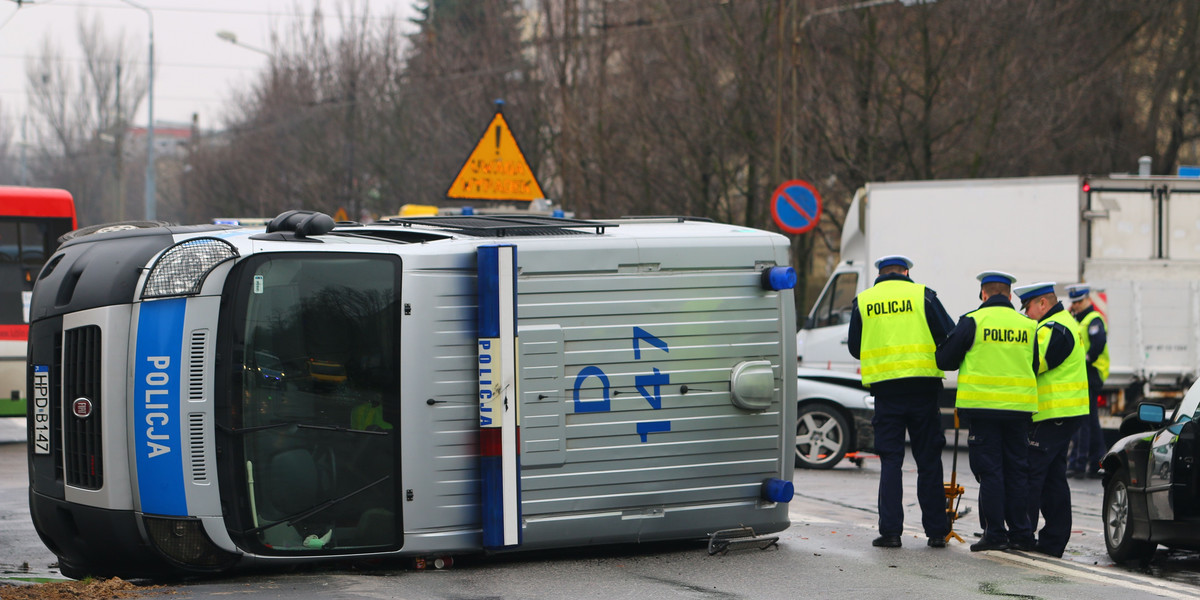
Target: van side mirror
{"type": "Point", "coordinates": [1149, 412]}
{"type": "Point", "coordinates": [809, 322]}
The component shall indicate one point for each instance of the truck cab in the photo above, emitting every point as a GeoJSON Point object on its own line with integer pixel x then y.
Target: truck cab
{"type": "Point", "coordinates": [823, 340]}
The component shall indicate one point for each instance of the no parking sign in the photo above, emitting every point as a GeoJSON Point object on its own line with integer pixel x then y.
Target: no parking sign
{"type": "Point", "coordinates": [796, 206]}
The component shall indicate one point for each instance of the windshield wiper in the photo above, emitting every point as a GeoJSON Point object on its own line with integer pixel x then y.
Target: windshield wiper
{"type": "Point", "coordinates": [255, 428]}
{"type": "Point", "coordinates": [308, 512]}
{"type": "Point", "coordinates": [338, 428]}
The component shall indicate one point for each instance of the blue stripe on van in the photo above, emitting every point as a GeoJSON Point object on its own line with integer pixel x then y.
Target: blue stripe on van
{"type": "Point", "coordinates": [156, 414]}
{"type": "Point", "coordinates": [489, 291]}
{"type": "Point", "coordinates": [499, 431]}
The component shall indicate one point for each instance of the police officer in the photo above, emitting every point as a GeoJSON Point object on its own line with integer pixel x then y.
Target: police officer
{"type": "Point", "coordinates": [993, 348]}
{"type": "Point", "coordinates": [1062, 406]}
{"type": "Point", "coordinates": [1087, 447]}
{"type": "Point", "coordinates": [895, 326]}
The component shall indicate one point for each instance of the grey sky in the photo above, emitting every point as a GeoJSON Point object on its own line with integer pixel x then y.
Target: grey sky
{"type": "Point", "coordinates": [195, 71]}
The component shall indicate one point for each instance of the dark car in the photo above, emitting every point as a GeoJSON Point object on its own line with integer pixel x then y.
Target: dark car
{"type": "Point", "coordinates": [1151, 489]}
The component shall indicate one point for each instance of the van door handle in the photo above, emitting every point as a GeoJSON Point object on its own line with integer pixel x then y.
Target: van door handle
{"type": "Point", "coordinates": [846, 340]}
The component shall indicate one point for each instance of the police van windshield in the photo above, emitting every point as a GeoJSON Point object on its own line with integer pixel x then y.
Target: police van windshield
{"type": "Point", "coordinates": [318, 403]}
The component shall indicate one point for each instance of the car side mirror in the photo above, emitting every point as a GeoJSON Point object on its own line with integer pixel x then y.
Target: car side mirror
{"type": "Point", "coordinates": [1149, 412]}
{"type": "Point", "coordinates": [810, 322]}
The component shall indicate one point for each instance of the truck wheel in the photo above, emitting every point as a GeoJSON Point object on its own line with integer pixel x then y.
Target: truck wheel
{"type": "Point", "coordinates": [822, 436]}
{"type": "Point", "coordinates": [1118, 523]}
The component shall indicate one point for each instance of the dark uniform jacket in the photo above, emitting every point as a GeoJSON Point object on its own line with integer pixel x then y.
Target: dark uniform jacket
{"type": "Point", "coordinates": [1097, 336]}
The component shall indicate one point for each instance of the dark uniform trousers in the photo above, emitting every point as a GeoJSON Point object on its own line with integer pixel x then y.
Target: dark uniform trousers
{"type": "Point", "coordinates": [998, 453]}
{"type": "Point", "coordinates": [1049, 492]}
{"type": "Point", "coordinates": [1089, 445]}
{"type": "Point", "coordinates": [917, 414]}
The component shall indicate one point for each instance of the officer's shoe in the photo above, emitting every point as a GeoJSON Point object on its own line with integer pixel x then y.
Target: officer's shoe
{"type": "Point", "coordinates": [886, 541]}
{"type": "Point", "coordinates": [936, 542]}
{"type": "Point", "coordinates": [1023, 545]}
{"type": "Point", "coordinates": [1048, 552]}
{"type": "Point", "coordinates": [986, 544]}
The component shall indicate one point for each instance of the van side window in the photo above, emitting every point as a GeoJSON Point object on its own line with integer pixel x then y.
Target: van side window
{"type": "Point", "coordinates": [834, 307]}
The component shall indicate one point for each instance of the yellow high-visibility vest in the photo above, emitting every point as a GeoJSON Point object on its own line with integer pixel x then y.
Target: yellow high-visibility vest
{"type": "Point", "coordinates": [896, 341]}
{"type": "Point", "coordinates": [997, 372]}
{"type": "Point", "coordinates": [366, 415]}
{"type": "Point", "coordinates": [1063, 390]}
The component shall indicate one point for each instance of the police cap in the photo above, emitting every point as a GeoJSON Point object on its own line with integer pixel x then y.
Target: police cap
{"type": "Point", "coordinates": [996, 277]}
{"type": "Point", "coordinates": [1031, 291]}
{"type": "Point", "coordinates": [893, 260]}
{"type": "Point", "coordinates": [1079, 291]}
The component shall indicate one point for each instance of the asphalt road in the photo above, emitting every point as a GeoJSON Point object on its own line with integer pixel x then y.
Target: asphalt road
{"type": "Point", "coordinates": [825, 554]}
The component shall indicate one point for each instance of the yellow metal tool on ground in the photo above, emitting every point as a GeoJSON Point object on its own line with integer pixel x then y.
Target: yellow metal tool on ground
{"type": "Point", "coordinates": [954, 491]}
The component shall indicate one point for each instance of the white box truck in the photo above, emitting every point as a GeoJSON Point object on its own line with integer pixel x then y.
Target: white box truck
{"type": "Point", "coordinates": [1135, 239]}
{"type": "Point", "coordinates": [210, 397]}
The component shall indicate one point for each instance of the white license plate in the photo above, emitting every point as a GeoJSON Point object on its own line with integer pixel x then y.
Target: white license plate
{"type": "Point", "coordinates": [41, 409]}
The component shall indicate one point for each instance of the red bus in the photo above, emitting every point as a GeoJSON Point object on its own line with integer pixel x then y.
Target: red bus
{"type": "Point", "coordinates": [31, 221]}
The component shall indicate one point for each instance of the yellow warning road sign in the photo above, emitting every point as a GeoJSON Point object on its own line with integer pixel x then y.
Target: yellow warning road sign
{"type": "Point", "coordinates": [496, 169]}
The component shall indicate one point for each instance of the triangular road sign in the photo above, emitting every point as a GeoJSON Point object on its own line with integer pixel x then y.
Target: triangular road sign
{"type": "Point", "coordinates": [496, 169]}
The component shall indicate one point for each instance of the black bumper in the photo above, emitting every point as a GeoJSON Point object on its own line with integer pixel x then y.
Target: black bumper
{"type": "Point", "coordinates": [94, 541]}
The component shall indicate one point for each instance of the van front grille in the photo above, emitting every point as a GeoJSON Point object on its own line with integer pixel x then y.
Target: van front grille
{"type": "Point", "coordinates": [82, 408]}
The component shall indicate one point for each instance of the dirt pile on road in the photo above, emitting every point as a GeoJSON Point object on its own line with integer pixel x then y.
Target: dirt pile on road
{"type": "Point", "coordinates": [91, 589]}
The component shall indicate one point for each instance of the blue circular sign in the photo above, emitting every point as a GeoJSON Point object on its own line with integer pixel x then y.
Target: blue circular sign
{"type": "Point", "coordinates": [796, 206]}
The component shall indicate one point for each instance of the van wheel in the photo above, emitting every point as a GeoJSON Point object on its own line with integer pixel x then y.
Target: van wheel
{"type": "Point", "coordinates": [1118, 523]}
{"type": "Point", "coordinates": [822, 436]}
{"type": "Point", "coordinates": [110, 227]}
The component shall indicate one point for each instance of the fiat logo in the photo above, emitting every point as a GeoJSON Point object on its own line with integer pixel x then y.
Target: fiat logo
{"type": "Point", "coordinates": [82, 408]}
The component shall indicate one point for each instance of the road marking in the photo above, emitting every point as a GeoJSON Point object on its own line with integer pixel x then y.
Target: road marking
{"type": "Point", "coordinates": [1104, 575]}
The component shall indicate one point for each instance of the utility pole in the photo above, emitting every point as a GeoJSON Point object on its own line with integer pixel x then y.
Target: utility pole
{"type": "Point", "coordinates": [119, 150]}
{"type": "Point", "coordinates": [24, 146]}
{"type": "Point", "coordinates": [151, 199]}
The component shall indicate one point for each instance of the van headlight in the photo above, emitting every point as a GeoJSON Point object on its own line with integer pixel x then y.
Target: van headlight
{"type": "Point", "coordinates": [184, 542]}
{"type": "Point", "coordinates": [181, 269]}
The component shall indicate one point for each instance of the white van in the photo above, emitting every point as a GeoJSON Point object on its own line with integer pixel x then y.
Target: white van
{"type": "Point", "coordinates": [211, 397]}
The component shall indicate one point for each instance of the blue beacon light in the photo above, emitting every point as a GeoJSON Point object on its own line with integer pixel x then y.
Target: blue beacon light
{"type": "Point", "coordinates": [778, 490]}
{"type": "Point", "coordinates": [779, 278]}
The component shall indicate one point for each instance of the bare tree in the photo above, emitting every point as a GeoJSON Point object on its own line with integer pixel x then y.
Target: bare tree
{"type": "Point", "coordinates": [703, 108]}
{"type": "Point", "coordinates": [80, 117]}
{"type": "Point", "coordinates": [342, 124]}
{"type": "Point", "coordinates": [9, 166]}
{"type": "Point", "coordinates": [1163, 67]}
{"type": "Point", "coordinates": [464, 56]}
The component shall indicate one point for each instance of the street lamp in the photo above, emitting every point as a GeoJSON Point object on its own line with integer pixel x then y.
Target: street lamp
{"type": "Point", "coordinates": [150, 170]}
{"type": "Point", "coordinates": [776, 163]}
{"type": "Point", "coordinates": [231, 37]}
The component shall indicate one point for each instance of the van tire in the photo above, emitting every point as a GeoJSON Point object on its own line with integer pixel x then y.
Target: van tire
{"type": "Point", "coordinates": [109, 227]}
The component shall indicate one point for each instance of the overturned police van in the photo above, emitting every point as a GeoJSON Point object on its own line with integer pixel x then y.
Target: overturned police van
{"type": "Point", "coordinates": [211, 397]}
